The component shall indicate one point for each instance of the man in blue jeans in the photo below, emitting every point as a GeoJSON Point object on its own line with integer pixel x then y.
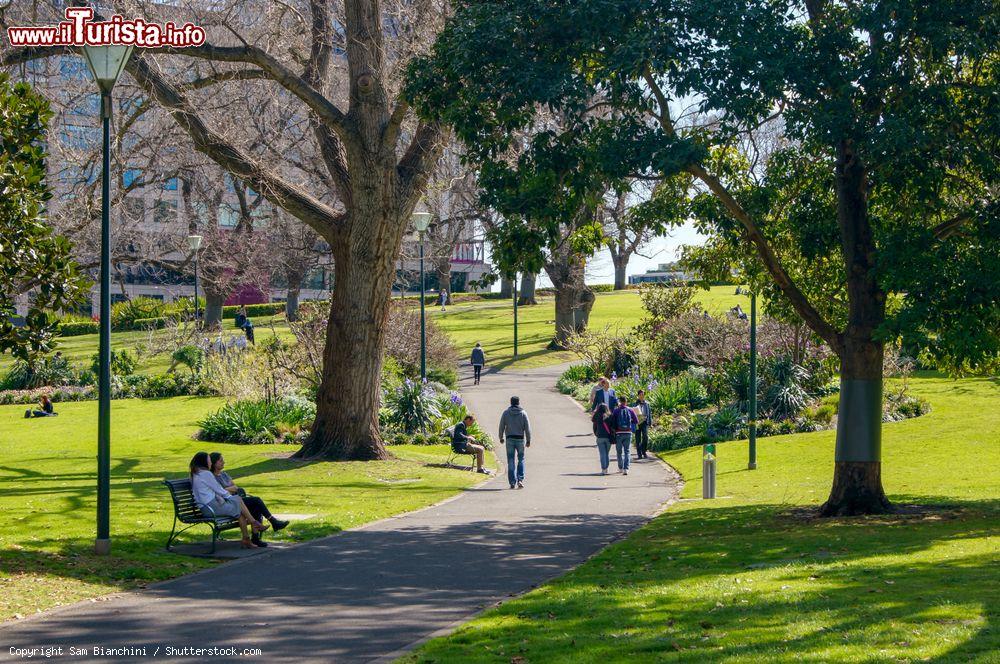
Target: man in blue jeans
{"type": "Point", "coordinates": [515, 432]}
{"type": "Point", "coordinates": [624, 422]}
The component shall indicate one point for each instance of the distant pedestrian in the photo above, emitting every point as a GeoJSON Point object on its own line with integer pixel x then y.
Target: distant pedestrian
{"type": "Point", "coordinates": [515, 433]}
{"type": "Point", "coordinates": [624, 422]}
{"type": "Point", "coordinates": [241, 317]}
{"type": "Point", "coordinates": [248, 331]}
{"type": "Point", "coordinates": [443, 298]}
{"type": "Point", "coordinates": [603, 394]}
{"type": "Point", "coordinates": [604, 434]}
{"type": "Point", "coordinates": [645, 421]}
{"type": "Point", "coordinates": [478, 361]}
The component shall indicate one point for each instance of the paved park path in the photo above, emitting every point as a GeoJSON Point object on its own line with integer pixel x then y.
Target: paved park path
{"type": "Point", "coordinates": [371, 593]}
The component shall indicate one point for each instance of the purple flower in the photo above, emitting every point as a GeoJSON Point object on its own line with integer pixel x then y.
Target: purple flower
{"type": "Point", "coordinates": [425, 381]}
{"type": "Point", "coordinates": [614, 376]}
{"type": "Point", "coordinates": [455, 399]}
{"type": "Point", "coordinates": [409, 383]}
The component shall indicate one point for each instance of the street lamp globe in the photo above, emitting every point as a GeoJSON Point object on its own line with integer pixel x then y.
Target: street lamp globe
{"type": "Point", "coordinates": [421, 221]}
{"type": "Point", "coordinates": [106, 64]}
{"type": "Point", "coordinates": [194, 241]}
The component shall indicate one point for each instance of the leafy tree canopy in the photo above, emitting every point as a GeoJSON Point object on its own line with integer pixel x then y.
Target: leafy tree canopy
{"type": "Point", "coordinates": [908, 89]}
{"type": "Point", "coordinates": [32, 259]}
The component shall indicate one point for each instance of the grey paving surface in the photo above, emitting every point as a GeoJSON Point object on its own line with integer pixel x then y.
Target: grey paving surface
{"type": "Point", "coordinates": [370, 593]}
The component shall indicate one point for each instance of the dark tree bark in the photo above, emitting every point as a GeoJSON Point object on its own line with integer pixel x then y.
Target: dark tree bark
{"type": "Point", "coordinates": [294, 279]}
{"type": "Point", "coordinates": [443, 269]}
{"type": "Point", "coordinates": [857, 478]}
{"type": "Point", "coordinates": [566, 271]}
{"type": "Point", "coordinates": [526, 296]}
{"type": "Point", "coordinates": [506, 288]}
{"type": "Point", "coordinates": [620, 279]}
{"type": "Point", "coordinates": [213, 309]}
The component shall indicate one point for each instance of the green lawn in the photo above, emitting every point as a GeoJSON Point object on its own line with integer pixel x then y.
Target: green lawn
{"type": "Point", "coordinates": [47, 494]}
{"type": "Point", "coordinates": [492, 323]}
{"type": "Point", "coordinates": [752, 577]}
{"type": "Point", "coordinates": [80, 349]}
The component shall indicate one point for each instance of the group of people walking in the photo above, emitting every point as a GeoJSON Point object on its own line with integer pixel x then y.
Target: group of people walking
{"type": "Point", "coordinates": [615, 421]}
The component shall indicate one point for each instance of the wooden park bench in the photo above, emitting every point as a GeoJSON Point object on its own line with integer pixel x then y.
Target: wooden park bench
{"type": "Point", "coordinates": [185, 511]}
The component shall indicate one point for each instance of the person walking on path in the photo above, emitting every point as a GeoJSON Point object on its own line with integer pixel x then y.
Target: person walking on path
{"type": "Point", "coordinates": [625, 422]}
{"type": "Point", "coordinates": [602, 430]}
{"type": "Point", "coordinates": [443, 299]}
{"type": "Point", "coordinates": [463, 443]}
{"type": "Point", "coordinates": [515, 434]}
{"type": "Point", "coordinates": [478, 361]}
{"type": "Point", "coordinates": [645, 421]}
{"type": "Point", "coordinates": [604, 394]}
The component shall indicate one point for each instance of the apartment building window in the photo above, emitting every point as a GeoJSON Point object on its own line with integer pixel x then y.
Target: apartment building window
{"type": "Point", "coordinates": [165, 212]}
{"type": "Point", "coordinates": [134, 208]}
{"type": "Point", "coordinates": [170, 184]}
{"type": "Point", "coordinates": [130, 176]}
{"type": "Point", "coordinates": [228, 216]}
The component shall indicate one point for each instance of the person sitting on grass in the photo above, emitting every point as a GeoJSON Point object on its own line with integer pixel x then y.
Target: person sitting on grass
{"type": "Point", "coordinates": [463, 443]}
{"type": "Point", "coordinates": [46, 409]}
{"type": "Point", "coordinates": [258, 509]}
{"type": "Point", "coordinates": [216, 502]}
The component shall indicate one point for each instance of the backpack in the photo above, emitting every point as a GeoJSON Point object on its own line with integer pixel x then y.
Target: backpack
{"type": "Point", "coordinates": [622, 420]}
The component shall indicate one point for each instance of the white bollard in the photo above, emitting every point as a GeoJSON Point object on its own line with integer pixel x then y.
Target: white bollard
{"type": "Point", "coordinates": [708, 475]}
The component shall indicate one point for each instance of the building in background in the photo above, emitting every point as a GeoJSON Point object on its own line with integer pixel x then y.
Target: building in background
{"type": "Point", "coordinates": [665, 273]}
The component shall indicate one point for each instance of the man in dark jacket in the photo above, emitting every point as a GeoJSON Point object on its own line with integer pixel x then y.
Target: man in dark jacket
{"type": "Point", "coordinates": [463, 443]}
{"type": "Point", "coordinates": [515, 433]}
{"type": "Point", "coordinates": [478, 361]}
{"type": "Point", "coordinates": [623, 421]}
{"type": "Point", "coordinates": [603, 394]}
{"type": "Point", "coordinates": [645, 421]}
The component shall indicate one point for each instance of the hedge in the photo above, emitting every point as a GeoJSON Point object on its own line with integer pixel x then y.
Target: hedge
{"type": "Point", "coordinates": [76, 329]}
{"type": "Point", "coordinates": [157, 323]}
{"type": "Point", "coordinates": [265, 309]}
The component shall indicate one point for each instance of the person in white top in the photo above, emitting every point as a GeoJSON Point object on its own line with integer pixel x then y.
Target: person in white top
{"type": "Point", "coordinates": [214, 501]}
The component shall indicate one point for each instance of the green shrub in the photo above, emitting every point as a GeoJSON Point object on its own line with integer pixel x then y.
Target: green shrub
{"type": "Point", "coordinates": [265, 309]}
{"type": "Point", "coordinates": [664, 441]}
{"type": "Point", "coordinates": [254, 422]}
{"type": "Point", "coordinates": [822, 414]}
{"type": "Point", "coordinates": [413, 406]}
{"type": "Point", "coordinates": [125, 314]}
{"type": "Point", "coordinates": [190, 356]}
{"type": "Point", "coordinates": [76, 329]}
{"type": "Point", "coordinates": [157, 323]}
{"type": "Point", "coordinates": [683, 392]}
{"type": "Point", "coordinates": [444, 375]}
{"type": "Point", "coordinates": [580, 373]}
{"type": "Point", "coordinates": [582, 393]}
{"type": "Point", "coordinates": [123, 363]}
{"type": "Point", "coordinates": [601, 288]}
{"type": "Point", "coordinates": [48, 371]}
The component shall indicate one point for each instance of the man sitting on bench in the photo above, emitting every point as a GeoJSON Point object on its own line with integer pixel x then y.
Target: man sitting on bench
{"type": "Point", "coordinates": [463, 443]}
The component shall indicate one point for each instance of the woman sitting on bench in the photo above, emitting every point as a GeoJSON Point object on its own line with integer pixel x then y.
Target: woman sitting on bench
{"type": "Point", "coordinates": [214, 501]}
{"type": "Point", "coordinates": [256, 505]}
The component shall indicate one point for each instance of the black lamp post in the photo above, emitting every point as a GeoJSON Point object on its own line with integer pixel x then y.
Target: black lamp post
{"type": "Point", "coordinates": [106, 64]}
{"type": "Point", "coordinates": [421, 220]}
{"type": "Point", "coordinates": [752, 465]}
{"type": "Point", "coordinates": [194, 241]}
{"type": "Point", "coordinates": [515, 315]}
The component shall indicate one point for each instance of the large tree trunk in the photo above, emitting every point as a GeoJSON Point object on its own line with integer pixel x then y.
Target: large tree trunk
{"type": "Point", "coordinates": [294, 278]}
{"type": "Point", "coordinates": [213, 309]}
{"type": "Point", "coordinates": [566, 271]}
{"type": "Point", "coordinates": [526, 296]}
{"type": "Point", "coordinates": [620, 268]}
{"type": "Point", "coordinates": [506, 288]}
{"type": "Point", "coordinates": [444, 277]}
{"type": "Point", "coordinates": [857, 478]}
{"type": "Point", "coordinates": [346, 425]}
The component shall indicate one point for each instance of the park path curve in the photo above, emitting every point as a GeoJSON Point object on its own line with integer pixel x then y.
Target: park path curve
{"type": "Point", "coordinates": [371, 593]}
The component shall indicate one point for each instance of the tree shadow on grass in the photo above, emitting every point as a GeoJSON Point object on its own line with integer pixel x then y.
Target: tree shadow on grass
{"type": "Point", "coordinates": [832, 586]}
{"type": "Point", "coordinates": [668, 592]}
